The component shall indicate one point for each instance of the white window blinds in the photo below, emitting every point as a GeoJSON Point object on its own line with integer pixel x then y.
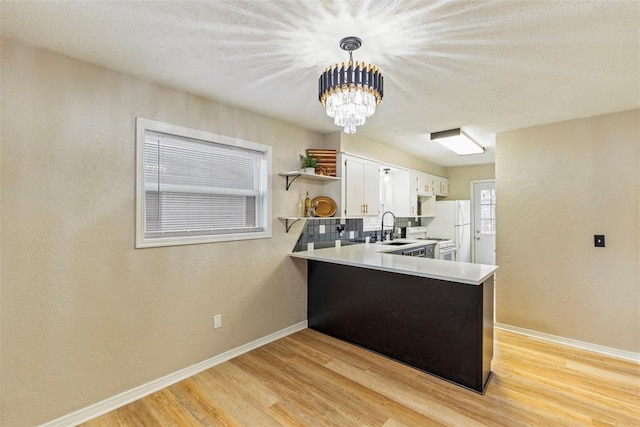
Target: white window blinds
{"type": "Point", "coordinates": [194, 187]}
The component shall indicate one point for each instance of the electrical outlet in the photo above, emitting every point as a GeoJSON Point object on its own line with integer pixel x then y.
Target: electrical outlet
{"type": "Point", "coordinates": [321, 229]}
{"type": "Point", "coordinates": [217, 321]}
{"type": "Point", "coordinates": [598, 240]}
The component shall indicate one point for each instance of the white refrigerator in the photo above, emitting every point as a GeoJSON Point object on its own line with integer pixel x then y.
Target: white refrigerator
{"type": "Point", "coordinates": [453, 221]}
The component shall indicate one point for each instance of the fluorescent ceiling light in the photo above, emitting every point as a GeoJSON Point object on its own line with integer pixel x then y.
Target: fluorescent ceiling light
{"type": "Point", "coordinates": [456, 141]}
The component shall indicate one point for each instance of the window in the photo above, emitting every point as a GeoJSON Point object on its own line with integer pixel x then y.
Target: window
{"type": "Point", "coordinates": [488, 211]}
{"type": "Point", "coordinates": [199, 187]}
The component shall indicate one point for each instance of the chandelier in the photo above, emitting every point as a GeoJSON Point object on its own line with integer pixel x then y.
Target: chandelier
{"type": "Point", "coordinates": [350, 93]}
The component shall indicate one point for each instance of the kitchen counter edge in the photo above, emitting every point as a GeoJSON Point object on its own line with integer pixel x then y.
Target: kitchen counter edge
{"type": "Point", "coordinates": [373, 256]}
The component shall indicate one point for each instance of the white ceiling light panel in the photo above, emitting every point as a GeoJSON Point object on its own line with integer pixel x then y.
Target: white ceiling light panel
{"type": "Point", "coordinates": [457, 141]}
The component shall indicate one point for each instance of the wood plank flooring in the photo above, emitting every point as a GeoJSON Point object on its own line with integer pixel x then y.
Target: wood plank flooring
{"type": "Point", "coordinates": [310, 379]}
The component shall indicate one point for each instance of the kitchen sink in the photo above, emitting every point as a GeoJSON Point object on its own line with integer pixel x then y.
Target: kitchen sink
{"type": "Point", "coordinates": [396, 243]}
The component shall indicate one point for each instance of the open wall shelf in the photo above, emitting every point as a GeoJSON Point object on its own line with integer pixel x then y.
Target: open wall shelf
{"type": "Point", "coordinates": [290, 220]}
{"type": "Point", "coordinates": [293, 175]}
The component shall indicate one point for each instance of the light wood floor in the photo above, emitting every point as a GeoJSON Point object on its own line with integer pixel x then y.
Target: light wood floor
{"type": "Point", "coordinates": [311, 379]}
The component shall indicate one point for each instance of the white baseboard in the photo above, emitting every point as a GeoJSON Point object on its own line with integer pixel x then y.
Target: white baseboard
{"type": "Point", "coordinates": [115, 402]}
{"type": "Point", "coordinates": [607, 351]}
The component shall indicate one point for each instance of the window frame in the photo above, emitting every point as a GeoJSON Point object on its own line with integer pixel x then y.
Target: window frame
{"type": "Point", "coordinates": [143, 125]}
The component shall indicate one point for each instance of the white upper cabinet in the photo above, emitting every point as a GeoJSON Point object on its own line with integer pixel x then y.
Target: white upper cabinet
{"type": "Point", "coordinates": [422, 191]}
{"type": "Point", "coordinates": [445, 187]}
{"type": "Point", "coordinates": [405, 192]}
{"type": "Point", "coordinates": [414, 181]}
{"type": "Point", "coordinates": [424, 183]}
{"type": "Point", "coordinates": [396, 192]}
{"type": "Point", "coordinates": [362, 187]}
{"type": "Point", "coordinates": [440, 186]}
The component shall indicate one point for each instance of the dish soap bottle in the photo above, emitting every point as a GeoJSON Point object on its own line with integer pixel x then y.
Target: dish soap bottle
{"type": "Point", "coordinates": [307, 206]}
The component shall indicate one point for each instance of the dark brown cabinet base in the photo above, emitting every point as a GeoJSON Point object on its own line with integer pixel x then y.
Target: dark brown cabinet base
{"type": "Point", "coordinates": [442, 328]}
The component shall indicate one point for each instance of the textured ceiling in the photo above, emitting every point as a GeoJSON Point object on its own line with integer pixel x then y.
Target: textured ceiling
{"type": "Point", "coordinates": [487, 66]}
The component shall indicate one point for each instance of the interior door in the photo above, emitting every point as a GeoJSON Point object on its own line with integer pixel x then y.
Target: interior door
{"type": "Point", "coordinates": [484, 222]}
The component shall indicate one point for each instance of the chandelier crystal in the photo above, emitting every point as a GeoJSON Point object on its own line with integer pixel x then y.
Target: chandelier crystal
{"type": "Point", "coordinates": [350, 93]}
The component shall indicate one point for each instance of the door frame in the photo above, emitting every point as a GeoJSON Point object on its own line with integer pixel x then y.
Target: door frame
{"type": "Point", "coordinates": [472, 197]}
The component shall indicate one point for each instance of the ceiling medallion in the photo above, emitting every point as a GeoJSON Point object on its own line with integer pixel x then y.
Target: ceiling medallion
{"type": "Point", "coordinates": [350, 93]}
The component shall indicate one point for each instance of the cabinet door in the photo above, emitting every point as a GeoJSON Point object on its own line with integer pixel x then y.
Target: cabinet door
{"type": "Point", "coordinates": [401, 185]}
{"type": "Point", "coordinates": [445, 187]}
{"type": "Point", "coordinates": [435, 185]}
{"type": "Point", "coordinates": [425, 184]}
{"type": "Point", "coordinates": [354, 187]}
{"type": "Point", "coordinates": [414, 180]}
{"type": "Point", "coordinates": [371, 192]}
{"type": "Point", "coordinates": [440, 186]}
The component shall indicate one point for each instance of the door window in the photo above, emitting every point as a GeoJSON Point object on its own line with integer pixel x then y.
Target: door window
{"type": "Point", "coordinates": [488, 211]}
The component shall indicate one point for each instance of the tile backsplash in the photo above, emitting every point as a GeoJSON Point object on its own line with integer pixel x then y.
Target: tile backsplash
{"type": "Point", "coordinates": [323, 232]}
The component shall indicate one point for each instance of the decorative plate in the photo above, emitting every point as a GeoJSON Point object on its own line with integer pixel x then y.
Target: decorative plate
{"type": "Point", "coordinates": [325, 206]}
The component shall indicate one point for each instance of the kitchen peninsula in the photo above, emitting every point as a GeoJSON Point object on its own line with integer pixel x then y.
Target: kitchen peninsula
{"type": "Point", "coordinates": [433, 315]}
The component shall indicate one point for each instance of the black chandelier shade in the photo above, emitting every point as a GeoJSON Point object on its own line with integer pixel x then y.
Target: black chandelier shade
{"type": "Point", "coordinates": [339, 78]}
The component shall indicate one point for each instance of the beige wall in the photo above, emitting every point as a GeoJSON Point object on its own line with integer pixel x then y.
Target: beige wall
{"type": "Point", "coordinates": [460, 179]}
{"type": "Point", "coordinates": [355, 145]}
{"type": "Point", "coordinates": [557, 186]}
{"type": "Point", "coordinates": [84, 315]}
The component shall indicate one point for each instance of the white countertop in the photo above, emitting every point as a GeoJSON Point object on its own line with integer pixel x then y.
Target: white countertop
{"type": "Point", "coordinates": [373, 256]}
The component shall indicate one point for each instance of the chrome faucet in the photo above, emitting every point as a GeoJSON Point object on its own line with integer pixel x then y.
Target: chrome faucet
{"type": "Point", "coordinates": [382, 226]}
